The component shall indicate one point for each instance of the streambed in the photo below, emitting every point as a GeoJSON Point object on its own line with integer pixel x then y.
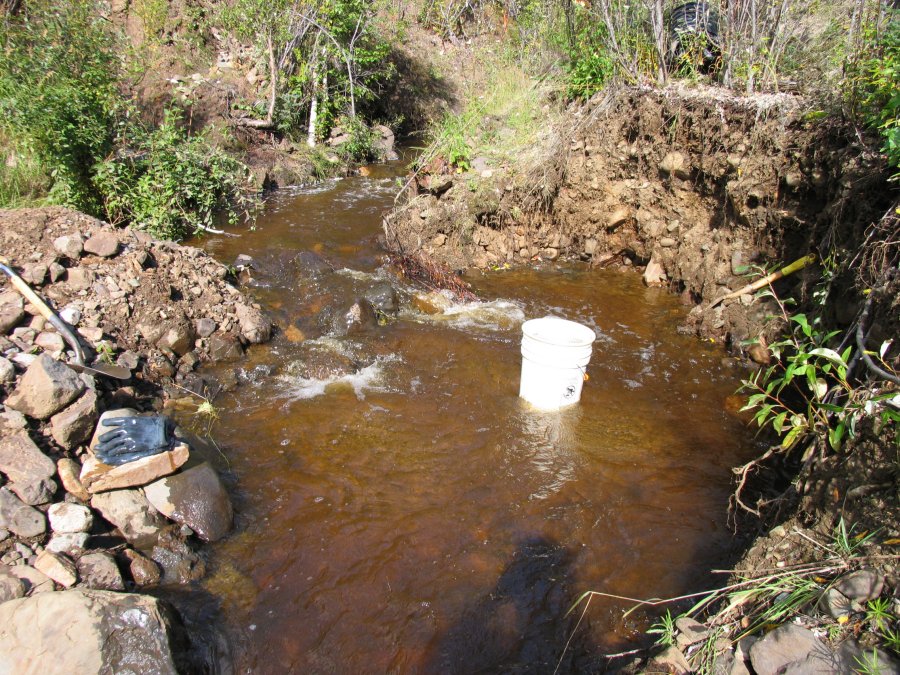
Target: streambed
{"type": "Point", "coordinates": [415, 515]}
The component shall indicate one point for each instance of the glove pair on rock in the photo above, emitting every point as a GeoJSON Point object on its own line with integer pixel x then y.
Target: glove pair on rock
{"type": "Point", "coordinates": [134, 438]}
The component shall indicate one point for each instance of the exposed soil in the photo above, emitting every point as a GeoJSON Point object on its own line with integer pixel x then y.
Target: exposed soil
{"type": "Point", "coordinates": [698, 182]}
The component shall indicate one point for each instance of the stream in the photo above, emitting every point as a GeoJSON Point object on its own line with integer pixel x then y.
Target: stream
{"type": "Point", "coordinates": [414, 515]}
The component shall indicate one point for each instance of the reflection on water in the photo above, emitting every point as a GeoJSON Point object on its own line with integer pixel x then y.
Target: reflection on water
{"type": "Point", "coordinates": [416, 515]}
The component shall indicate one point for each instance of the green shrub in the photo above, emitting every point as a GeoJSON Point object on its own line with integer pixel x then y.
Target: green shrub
{"type": "Point", "coordinates": [58, 92]}
{"type": "Point", "coordinates": [170, 183]}
{"type": "Point", "coordinates": [361, 146]}
{"type": "Point", "coordinates": [878, 89]}
{"type": "Point", "coordinates": [590, 65]}
{"type": "Point", "coordinates": [23, 181]}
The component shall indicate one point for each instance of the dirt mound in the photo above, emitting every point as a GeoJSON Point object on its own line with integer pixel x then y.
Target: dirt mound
{"type": "Point", "coordinates": [159, 308]}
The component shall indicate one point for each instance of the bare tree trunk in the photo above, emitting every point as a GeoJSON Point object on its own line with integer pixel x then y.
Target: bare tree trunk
{"type": "Point", "coordinates": [314, 105]}
{"type": "Point", "coordinates": [659, 38]}
{"type": "Point", "coordinates": [273, 79]}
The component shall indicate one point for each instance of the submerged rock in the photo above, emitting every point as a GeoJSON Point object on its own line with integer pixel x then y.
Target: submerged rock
{"type": "Point", "coordinates": [383, 297]}
{"type": "Point", "coordinates": [358, 318]}
{"type": "Point", "coordinates": [311, 265]}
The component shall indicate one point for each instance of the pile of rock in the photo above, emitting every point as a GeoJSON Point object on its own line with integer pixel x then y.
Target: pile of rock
{"type": "Point", "coordinates": [155, 307]}
{"type": "Point", "coordinates": [68, 522]}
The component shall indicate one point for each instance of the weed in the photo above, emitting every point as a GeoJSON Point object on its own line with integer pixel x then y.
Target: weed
{"type": "Point", "coordinates": [105, 351]}
{"type": "Point", "coordinates": [775, 600]}
{"type": "Point", "coordinates": [891, 638]}
{"type": "Point", "coordinates": [868, 664]}
{"type": "Point", "coordinates": [845, 543]}
{"type": "Point", "coordinates": [665, 629]}
{"type": "Point", "coordinates": [704, 659]}
{"type": "Point", "coordinates": [878, 614]}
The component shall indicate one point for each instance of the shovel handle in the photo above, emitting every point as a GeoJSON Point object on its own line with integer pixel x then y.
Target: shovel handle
{"type": "Point", "coordinates": [44, 309]}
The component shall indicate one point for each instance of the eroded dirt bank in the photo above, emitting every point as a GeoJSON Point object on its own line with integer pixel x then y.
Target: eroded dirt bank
{"type": "Point", "coordinates": [693, 185]}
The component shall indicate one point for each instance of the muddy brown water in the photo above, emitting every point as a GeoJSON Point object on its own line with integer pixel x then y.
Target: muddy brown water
{"type": "Point", "coordinates": [418, 516]}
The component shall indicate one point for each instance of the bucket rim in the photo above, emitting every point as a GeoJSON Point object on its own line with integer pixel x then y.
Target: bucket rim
{"type": "Point", "coordinates": [587, 337]}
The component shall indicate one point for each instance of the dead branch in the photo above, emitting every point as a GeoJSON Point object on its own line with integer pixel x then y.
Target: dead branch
{"type": "Point", "coordinates": [434, 276]}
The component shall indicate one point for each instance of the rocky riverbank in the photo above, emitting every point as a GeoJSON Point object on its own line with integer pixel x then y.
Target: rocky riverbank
{"type": "Point", "coordinates": [68, 522]}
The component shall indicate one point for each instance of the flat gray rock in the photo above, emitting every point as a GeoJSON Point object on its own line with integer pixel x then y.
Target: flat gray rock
{"type": "Point", "coordinates": [786, 644]}
{"type": "Point", "coordinates": [18, 517]}
{"type": "Point", "coordinates": [861, 585]}
{"type": "Point", "coordinates": [27, 468]}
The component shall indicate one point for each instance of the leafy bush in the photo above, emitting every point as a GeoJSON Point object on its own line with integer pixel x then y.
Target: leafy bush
{"type": "Point", "coordinates": [808, 389]}
{"type": "Point", "coordinates": [361, 146]}
{"type": "Point", "coordinates": [878, 89]}
{"type": "Point", "coordinates": [58, 92]}
{"type": "Point", "coordinates": [589, 69]}
{"type": "Point", "coordinates": [169, 183]}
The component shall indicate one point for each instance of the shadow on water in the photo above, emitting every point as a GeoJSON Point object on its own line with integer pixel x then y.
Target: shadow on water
{"type": "Point", "coordinates": [517, 627]}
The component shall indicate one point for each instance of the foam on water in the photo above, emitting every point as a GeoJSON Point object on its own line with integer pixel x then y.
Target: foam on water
{"type": "Point", "coordinates": [368, 379]}
{"type": "Point", "coordinates": [495, 315]}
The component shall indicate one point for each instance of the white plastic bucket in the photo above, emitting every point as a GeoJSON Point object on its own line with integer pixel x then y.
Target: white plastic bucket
{"type": "Point", "coordinates": [555, 354]}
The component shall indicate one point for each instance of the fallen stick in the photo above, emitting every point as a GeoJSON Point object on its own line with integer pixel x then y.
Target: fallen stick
{"type": "Point", "coordinates": [768, 279]}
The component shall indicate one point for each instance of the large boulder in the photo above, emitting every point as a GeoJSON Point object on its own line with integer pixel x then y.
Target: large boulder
{"type": "Point", "coordinates": [47, 387]}
{"type": "Point", "coordinates": [196, 498]}
{"type": "Point", "coordinates": [85, 631]}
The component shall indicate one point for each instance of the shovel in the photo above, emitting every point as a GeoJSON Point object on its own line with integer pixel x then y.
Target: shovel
{"type": "Point", "coordinates": [106, 369]}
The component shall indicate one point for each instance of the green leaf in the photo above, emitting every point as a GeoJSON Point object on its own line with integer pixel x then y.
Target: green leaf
{"type": "Point", "coordinates": [778, 422]}
{"type": "Point", "coordinates": [829, 355]}
{"type": "Point", "coordinates": [836, 435]}
{"type": "Point", "coordinates": [791, 438]}
{"type": "Point", "coordinates": [800, 320]}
